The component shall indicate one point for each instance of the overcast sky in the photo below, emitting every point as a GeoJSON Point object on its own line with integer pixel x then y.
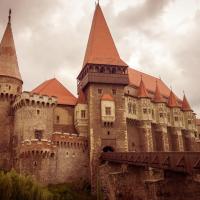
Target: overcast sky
{"type": "Point", "coordinates": [159, 37]}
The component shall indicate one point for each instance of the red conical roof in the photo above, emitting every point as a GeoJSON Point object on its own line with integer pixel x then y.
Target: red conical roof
{"type": "Point", "coordinates": [158, 98]}
{"type": "Point", "coordinates": [53, 87]}
{"type": "Point", "coordinates": [172, 101]}
{"type": "Point", "coordinates": [81, 98]}
{"type": "Point", "coordinates": [107, 97]}
{"type": "Point", "coordinates": [101, 48]}
{"type": "Point", "coordinates": [142, 92]}
{"type": "Point", "coordinates": [185, 104]}
{"type": "Point", "coordinates": [8, 58]}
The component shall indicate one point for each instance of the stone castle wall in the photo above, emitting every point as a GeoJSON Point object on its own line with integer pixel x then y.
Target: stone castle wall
{"type": "Point", "coordinates": [63, 159]}
{"type": "Point", "coordinates": [33, 113]}
{"type": "Point", "coordinates": [103, 134]}
{"type": "Point", "coordinates": [9, 89]}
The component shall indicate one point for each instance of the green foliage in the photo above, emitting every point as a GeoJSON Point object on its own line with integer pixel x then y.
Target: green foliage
{"type": "Point", "coordinates": [18, 187]}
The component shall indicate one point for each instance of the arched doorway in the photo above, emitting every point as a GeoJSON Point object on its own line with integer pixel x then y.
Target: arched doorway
{"type": "Point", "coordinates": [108, 149]}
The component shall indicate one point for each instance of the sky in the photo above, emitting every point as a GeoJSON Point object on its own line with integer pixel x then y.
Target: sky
{"type": "Point", "coordinates": [158, 37]}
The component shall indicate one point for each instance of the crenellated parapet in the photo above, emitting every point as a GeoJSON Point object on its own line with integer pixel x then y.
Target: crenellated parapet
{"type": "Point", "coordinates": [36, 148]}
{"type": "Point", "coordinates": [32, 99]}
{"type": "Point", "coordinates": [67, 140]}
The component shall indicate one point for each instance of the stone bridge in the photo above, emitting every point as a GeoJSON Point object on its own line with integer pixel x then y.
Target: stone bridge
{"type": "Point", "coordinates": [150, 175]}
{"type": "Point", "coordinates": [187, 162]}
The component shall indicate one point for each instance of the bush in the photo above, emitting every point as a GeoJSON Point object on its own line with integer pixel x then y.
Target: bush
{"type": "Point", "coordinates": [18, 187]}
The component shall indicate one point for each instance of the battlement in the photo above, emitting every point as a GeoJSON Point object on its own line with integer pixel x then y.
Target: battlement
{"type": "Point", "coordinates": [69, 140]}
{"type": "Point", "coordinates": [32, 99]}
{"type": "Point", "coordinates": [8, 95]}
{"type": "Point", "coordinates": [34, 147]}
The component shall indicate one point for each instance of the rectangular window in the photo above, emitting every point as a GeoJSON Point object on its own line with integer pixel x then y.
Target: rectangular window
{"type": "Point", "coordinates": [161, 115]}
{"type": "Point", "coordinates": [176, 119]}
{"type": "Point", "coordinates": [108, 110]}
{"type": "Point", "coordinates": [145, 111]}
{"type": "Point", "coordinates": [114, 91]}
{"type": "Point", "coordinates": [57, 119]}
{"type": "Point", "coordinates": [100, 91]}
{"type": "Point", "coordinates": [38, 134]}
{"type": "Point", "coordinates": [82, 113]}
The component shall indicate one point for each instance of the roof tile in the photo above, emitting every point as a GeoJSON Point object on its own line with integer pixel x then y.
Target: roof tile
{"type": "Point", "coordinates": [53, 87]}
{"type": "Point", "coordinates": [8, 58]}
{"type": "Point", "coordinates": [101, 48]}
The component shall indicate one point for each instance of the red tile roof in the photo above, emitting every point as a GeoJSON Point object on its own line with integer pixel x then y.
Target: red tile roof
{"type": "Point", "coordinates": [107, 97]}
{"type": "Point", "coordinates": [53, 87]}
{"type": "Point", "coordinates": [142, 91]}
{"type": "Point", "coordinates": [158, 98]}
{"type": "Point", "coordinates": [149, 81]}
{"type": "Point", "coordinates": [101, 48]}
{"type": "Point", "coordinates": [185, 104]}
{"type": "Point", "coordinates": [172, 101]}
{"type": "Point", "coordinates": [8, 58]}
{"type": "Point", "coordinates": [81, 98]}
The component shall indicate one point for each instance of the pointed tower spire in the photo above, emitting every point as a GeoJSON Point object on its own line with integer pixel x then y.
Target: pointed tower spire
{"type": "Point", "coordinates": [185, 104]}
{"type": "Point", "coordinates": [158, 98]}
{"type": "Point", "coordinates": [142, 91]}
{"type": "Point", "coordinates": [8, 58]}
{"type": "Point", "coordinates": [172, 101]}
{"type": "Point", "coordinates": [101, 48]}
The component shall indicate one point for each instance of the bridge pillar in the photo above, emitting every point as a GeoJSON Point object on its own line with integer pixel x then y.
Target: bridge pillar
{"type": "Point", "coordinates": [165, 139]}
{"type": "Point", "coordinates": [189, 141]}
{"type": "Point", "coordinates": [146, 135]}
{"type": "Point", "coordinates": [178, 132]}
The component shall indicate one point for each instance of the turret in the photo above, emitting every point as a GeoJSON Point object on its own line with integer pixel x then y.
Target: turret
{"type": "Point", "coordinates": [107, 110]}
{"type": "Point", "coordinates": [188, 115]}
{"type": "Point", "coordinates": [81, 115]}
{"type": "Point", "coordinates": [174, 111]}
{"type": "Point", "coordinates": [144, 102]}
{"type": "Point", "coordinates": [175, 122]}
{"type": "Point", "coordinates": [10, 87]}
{"type": "Point", "coordinates": [160, 105]}
{"type": "Point", "coordinates": [103, 75]}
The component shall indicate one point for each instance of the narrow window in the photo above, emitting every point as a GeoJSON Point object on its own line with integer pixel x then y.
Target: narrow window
{"type": "Point", "coordinates": [145, 111]}
{"type": "Point", "coordinates": [83, 114]}
{"type": "Point", "coordinates": [57, 119]}
{"type": "Point", "coordinates": [108, 132]}
{"type": "Point", "coordinates": [38, 134]}
{"type": "Point", "coordinates": [161, 115]}
{"type": "Point", "coordinates": [134, 109]}
{"type": "Point", "coordinates": [176, 119]}
{"type": "Point", "coordinates": [108, 110]}
{"type": "Point", "coordinates": [38, 112]}
{"type": "Point", "coordinates": [114, 91]}
{"type": "Point", "coordinates": [129, 108]}
{"type": "Point", "coordinates": [100, 91]}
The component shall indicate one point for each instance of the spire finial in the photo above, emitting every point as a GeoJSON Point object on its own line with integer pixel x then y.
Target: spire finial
{"type": "Point", "coordinates": [97, 2]}
{"type": "Point", "coordinates": [9, 16]}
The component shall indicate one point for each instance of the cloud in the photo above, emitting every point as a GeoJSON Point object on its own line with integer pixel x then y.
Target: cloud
{"type": "Point", "coordinates": [51, 37]}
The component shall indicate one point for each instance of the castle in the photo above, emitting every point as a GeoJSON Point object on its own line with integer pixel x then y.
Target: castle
{"type": "Point", "coordinates": [56, 137]}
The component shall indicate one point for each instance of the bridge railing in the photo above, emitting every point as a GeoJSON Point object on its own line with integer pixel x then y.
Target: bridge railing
{"type": "Point", "coordinates": [187, 162]}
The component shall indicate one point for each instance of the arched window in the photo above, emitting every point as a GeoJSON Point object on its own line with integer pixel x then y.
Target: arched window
{"type": "Point", "coordinates": [108, 149]}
